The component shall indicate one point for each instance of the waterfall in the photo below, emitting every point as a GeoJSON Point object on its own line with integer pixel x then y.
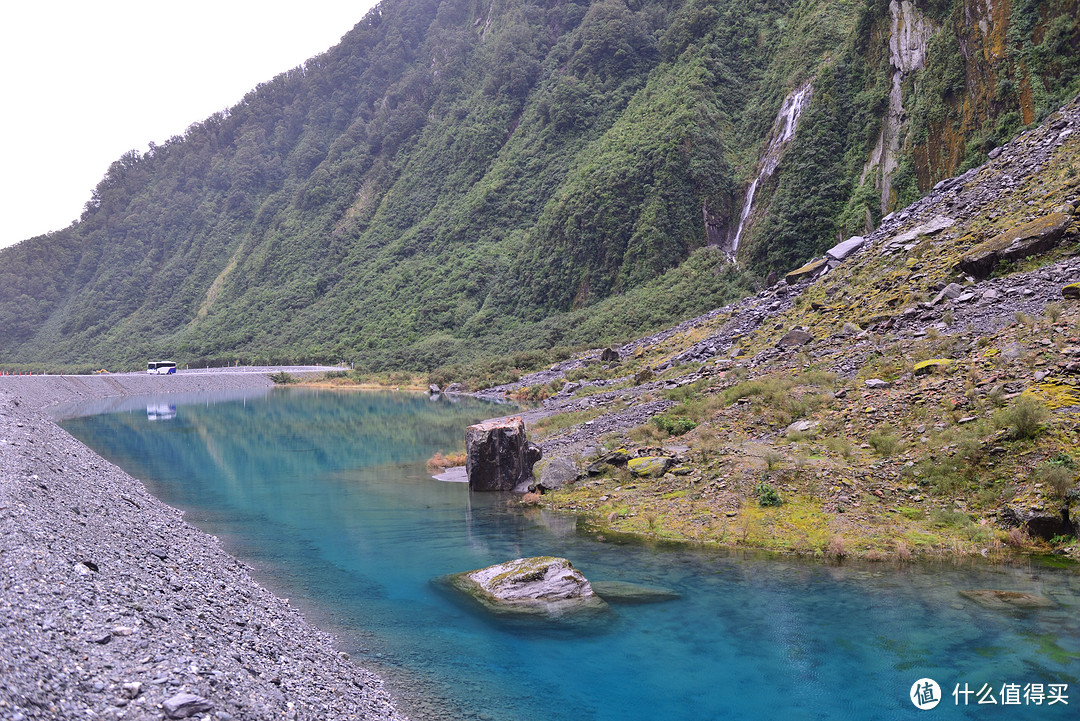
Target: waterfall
{"type": "Point", "coordinates": [782, 132]}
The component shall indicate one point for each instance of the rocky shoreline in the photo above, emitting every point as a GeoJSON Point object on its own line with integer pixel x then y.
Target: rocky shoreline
{"type": "Point", "coordinates": [112, 606]}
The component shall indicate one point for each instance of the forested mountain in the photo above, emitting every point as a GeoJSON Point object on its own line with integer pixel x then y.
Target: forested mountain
{"type": "Point", "coordinates": [470, 177]}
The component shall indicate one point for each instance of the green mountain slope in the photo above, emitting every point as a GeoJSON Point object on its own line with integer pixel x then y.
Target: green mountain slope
{"type": "Point", "coordinates": [463, 178]}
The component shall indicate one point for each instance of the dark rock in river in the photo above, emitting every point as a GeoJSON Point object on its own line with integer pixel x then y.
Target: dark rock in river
{"type": "Point", "coordinates": [498, 457]}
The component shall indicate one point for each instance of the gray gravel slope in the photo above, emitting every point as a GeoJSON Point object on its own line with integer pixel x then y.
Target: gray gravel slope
{"type": "Point", "coordinates": [111, 606]}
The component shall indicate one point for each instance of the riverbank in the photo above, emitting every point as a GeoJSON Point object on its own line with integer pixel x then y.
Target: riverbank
{"type": "Point", "coordinates": [114, 607]}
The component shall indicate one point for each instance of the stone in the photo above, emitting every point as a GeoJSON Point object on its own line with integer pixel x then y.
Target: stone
{"type": "Point", "coordinates": [807, 271]}
{"type": "Point", "coordinates": [633, 593]}
{"type": "Point", "coordinates": [1039, 524]}
{"type": "Point", "coordinates": [434, 389]}
{"type": "Point", "coordinates": [803, 426]}
{"type": "Point", "coordinates": [609, 355]}
{"type": "Point", "coordinates": [455, 388]}
{"type": "Point", "coordinates": [794, 338]}
{"type": "Point", "coordinates": [1072, 290]}
{"type": "Point", "coordinates": [935, 225]}
{"type": "Point", "coordinates": [877, 383]}
{"type": "Point", "coordinates": [843, 250]}
{"type": "Point", "coordinates": [544, 585]}
{"type": "Point", "coordinates": [498, 457]}
{"type": "Point", "coordinates": [184, 705]}
{"type": "Point", "coordinates": [1007, 600]}
{"type": "Point", "coordinates": [131, 690]}
{"type": "Point", "coordinates": [1031, 238]}
{"type": "Point", "coordinates": [617, 457]}
{"type": "Point", "coordinates": [649, 466]}
{"type": "Point", "coordinates": [557, 472]}
{"type": "Point", "coordinates": [643, 376]}
{"type": "Point", "coordinates": [929, 366]}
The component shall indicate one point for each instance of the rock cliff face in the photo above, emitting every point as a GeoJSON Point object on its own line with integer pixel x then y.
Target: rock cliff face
{"type": "Point", "coordinates": [909, 37]}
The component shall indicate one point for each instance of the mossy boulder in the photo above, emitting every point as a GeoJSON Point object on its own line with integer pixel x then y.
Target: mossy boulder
{"type": "Point", "coordinates": [929, 366]}
{"type": "Point", "coordinates": [545, 586]}
{"type": "Point", "coordinates": [806, 271]}
{"type": "Point", "coordinates": [1031, 238]}
{"type": "Point", "coordinates": [1072, 290]}
{"type": "Point", "coordinates": [649, 466]}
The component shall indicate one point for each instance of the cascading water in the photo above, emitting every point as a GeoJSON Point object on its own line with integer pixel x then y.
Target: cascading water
{"type": "Point", "coordinates": [782, 132]}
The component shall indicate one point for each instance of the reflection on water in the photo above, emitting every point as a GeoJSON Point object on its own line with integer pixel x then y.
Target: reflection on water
{"type": "Point", "coordinates": [160, 411]}
{"type": "Point", "coordinates": [327, 496]}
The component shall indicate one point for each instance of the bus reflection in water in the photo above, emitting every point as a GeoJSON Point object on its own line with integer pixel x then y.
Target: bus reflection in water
{"type": "Point", "coordinates": [160, 412]}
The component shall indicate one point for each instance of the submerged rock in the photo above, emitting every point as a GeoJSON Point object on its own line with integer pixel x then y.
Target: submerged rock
{"type": "Point", "coordinates": [1005, 600]}
{"type": "Point", "coordinates": [633, 593]}
{"type": "Point", "coordinates": [543, 585]}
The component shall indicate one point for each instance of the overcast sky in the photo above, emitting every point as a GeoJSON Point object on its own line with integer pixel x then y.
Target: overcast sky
{"type": "Point", "coordinates": [84, 82]}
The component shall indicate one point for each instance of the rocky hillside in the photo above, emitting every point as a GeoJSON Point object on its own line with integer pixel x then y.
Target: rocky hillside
{"type": "Point", "coordinates": [461, 178]}
{"type": "Point", "coordinates": [913, 391]}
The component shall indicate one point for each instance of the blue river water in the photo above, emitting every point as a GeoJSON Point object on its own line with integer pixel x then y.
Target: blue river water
{"type": "Point", "coordinates": [326, 495]}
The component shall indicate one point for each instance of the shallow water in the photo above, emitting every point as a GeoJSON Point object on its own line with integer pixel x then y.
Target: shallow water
{"type": "Point", "coordinates": [326, 495]}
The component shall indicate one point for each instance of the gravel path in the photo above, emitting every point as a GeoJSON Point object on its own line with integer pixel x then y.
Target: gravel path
{"type": "Point", "coordinates": [111, 606]}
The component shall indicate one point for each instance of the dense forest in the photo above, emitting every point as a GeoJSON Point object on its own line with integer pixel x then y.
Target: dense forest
{"type": "Point", "coordinates": [466, 178]}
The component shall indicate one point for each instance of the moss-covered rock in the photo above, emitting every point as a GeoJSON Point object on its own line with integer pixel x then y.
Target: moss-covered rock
{"type": "Point", "coordinates": [649, 466]}
{"type": "Point", "coordinates": [1072, 290]}
{"type": "Point", "coordinates": [929, 366]}
{"type": "Point", "coordinates": [1031, 238]}
{"type": "Point", "coordinates": [544, 586]}
{"type": "Point", "coordinates": [806, 271]}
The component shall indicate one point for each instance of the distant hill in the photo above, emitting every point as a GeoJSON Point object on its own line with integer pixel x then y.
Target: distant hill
{"type": "Point", "coordinates": [465, 178]}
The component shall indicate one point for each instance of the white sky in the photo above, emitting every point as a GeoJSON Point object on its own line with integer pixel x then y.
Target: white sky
{"type": "Point", "coordinates": [84, 82]}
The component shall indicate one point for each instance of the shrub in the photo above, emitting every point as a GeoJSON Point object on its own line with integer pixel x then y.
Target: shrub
{"type": "Point", "coordinates": [283, 378]}
{"type": "Point", "coordinates": [1055, 478]}
{"type": "Point", "coordinates": [884, 443]}
{"type": "Point", "coordinates": [772, 459]}
{"type": "Point", "coordinates": [1024, 418]}
{"type": "Point", "coordinates": [768, 496]}
{"type": "Point", "coordinates": [673, 425]}
{"type": "Point", "coordinates": [840, 446]}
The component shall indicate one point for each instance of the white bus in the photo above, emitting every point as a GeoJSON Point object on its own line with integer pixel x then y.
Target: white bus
{"type": "Point", "coordinates": [161, 367]}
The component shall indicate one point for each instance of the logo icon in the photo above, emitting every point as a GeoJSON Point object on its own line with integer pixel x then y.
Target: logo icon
{"type": "Point", "coordinates": [925, 694]}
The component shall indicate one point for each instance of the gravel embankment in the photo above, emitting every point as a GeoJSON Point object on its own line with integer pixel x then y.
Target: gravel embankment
{"type": "Point", "coordinates": [111, 606]}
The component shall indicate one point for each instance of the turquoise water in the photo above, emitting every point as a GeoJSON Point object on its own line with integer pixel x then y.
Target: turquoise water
{"type": "Point", "coordinates": [326, 495]}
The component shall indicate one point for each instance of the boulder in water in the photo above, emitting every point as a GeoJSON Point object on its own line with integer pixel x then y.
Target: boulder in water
{"type": "Point", "coordinates": [498, 457]}
{"type": "Point", "coordinates": [543, 585]}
